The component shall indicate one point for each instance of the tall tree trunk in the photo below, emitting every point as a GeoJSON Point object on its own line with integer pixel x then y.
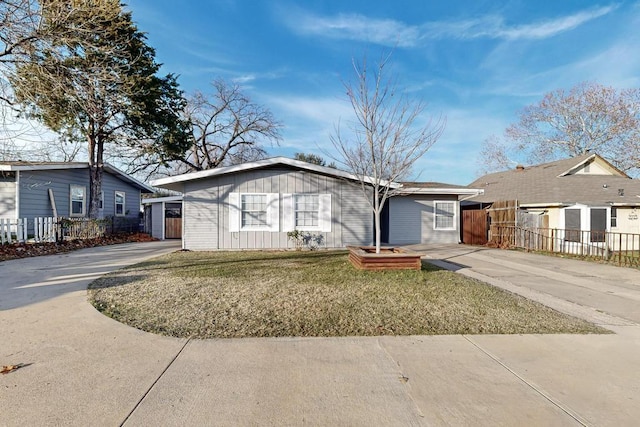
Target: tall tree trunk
{"type": "Point", "coordinates": [96, 169]}
{"type": "Point", "coordinates": [376, 213]}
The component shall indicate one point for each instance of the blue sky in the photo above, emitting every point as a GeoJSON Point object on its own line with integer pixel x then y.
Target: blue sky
{"type": "Point", "coordinates": [475, 62]}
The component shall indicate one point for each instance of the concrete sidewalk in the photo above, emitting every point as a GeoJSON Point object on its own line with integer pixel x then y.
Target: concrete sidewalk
{"type": "Point", "coordinates": [86, 369]}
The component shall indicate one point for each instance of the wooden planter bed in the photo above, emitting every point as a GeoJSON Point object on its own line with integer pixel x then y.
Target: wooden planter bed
{"type": "Point", "coordinates": [366, 258]}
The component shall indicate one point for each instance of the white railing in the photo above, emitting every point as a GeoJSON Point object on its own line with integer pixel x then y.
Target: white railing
{"type": "Point", "coordinates": [16, 230]}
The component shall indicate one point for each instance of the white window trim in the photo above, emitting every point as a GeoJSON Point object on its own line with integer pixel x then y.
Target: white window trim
{"type": "Point", "coordinates": [289, 213]}
{"type": "Point", "coordinates": [235, 212]}
{"type": "Point", "coordinates": [115, 203]}
{"type": "Point", "coordinates": [454, 219]}
{"type": "Point", "coordinates": [84, 201]}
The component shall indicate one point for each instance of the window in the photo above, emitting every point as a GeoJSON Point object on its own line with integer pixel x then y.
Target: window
{"type": "Point", "coordinates": [119, 206]}
{"type": "Point", "coordinates": [614, 216]}
{"type": "Point", "coordinates": [101, 201]}
{"type": "Point", "coordinates": [598, 224]}
{"type": "Point", "coordinates": [306, 208]}
{"type": "Point", "coordinates": [306, 212]}
{"type": "Point", "coordinates": [445, 213]}
{"type": "Point", "coordinates": [77, 197]}
{"type": "Point", "coordinates": [572, 225]}
{"type": "Point", "coordinates": [253, 210]}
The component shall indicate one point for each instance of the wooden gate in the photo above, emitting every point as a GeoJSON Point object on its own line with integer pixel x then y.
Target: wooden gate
{"type": "Point", "coordinates": [173, 221]}
{"type": "Point", "coordinates": [474, 227]}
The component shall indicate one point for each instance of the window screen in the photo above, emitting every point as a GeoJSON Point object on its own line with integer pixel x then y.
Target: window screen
{"type": "Point", "coordinates": [572, 225]}
{"type": "Point", "coordinates": [598, 224]}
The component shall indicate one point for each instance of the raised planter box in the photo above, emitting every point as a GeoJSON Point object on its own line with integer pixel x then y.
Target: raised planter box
{"type": "Point", "coordinates": [389, 258]}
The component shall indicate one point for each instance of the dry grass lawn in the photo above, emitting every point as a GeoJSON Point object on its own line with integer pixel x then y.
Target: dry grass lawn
{"type": "Point", "coordinates": [272, 294]}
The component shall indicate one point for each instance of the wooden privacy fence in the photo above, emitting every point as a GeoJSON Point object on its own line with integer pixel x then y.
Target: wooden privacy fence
{"type": "Point", "coordinates": [619, 248]}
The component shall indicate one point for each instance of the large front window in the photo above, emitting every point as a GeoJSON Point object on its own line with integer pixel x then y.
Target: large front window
{"type": "Point", "coordinates": [445, 215]}
{"type": "Point", "coordinates": [254, 210]}
{"type": "Point", "coordinates": [77, 197]}
{"type": "Point", "coordinates": [306, 208]}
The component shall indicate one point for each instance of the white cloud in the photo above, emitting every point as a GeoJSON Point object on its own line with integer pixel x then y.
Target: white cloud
{"type": "Point", "coordinates": [386, 32]}
{"type": "Point", "coordinates": [389, 32]}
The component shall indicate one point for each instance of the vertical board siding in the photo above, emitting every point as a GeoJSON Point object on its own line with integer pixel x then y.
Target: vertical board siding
{"type": "Point", "coordinates": [34, 196]}
{"type": "Point", "coordinates": [200, 215]}
{"type": "Point", "coordinates": [355, 217]}
{"type": "Point", "coordinates": [206, 210]}
{"type": "Point", "coordinates": [8, 197]}
{"type": "Point", "coordinates": [411, 220]}
{"type": "Point", "coordinates": [157, 218]}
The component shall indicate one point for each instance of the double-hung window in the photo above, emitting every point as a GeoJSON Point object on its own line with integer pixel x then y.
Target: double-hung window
{"type": "Point", "coordinates": [445, 215]}
{"type": "Point", "coordinates": [307, 210]}
{"type": "Point", "coordinates": [253, 210]}
{"type": "Point", "coordinates": [77, 196]}
{"type": "Point", "coordinates": [120, 203]}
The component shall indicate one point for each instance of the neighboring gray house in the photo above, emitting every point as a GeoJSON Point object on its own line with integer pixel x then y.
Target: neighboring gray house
{"type": "Point", "coordinates": [254, 205]}
{"type": "Point", "coordinates": [46, 189]}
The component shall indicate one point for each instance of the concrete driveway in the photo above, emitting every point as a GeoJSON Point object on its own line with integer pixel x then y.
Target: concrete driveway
{"type": "Point", "coordinates": [82, 368]}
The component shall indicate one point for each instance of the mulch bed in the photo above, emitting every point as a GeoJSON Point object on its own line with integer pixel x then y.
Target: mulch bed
{"type": "Point", "coordinates": [25, 250]}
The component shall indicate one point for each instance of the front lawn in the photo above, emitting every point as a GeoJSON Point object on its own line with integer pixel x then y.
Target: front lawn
{"type": "Point", "coordinates": [274, 294]}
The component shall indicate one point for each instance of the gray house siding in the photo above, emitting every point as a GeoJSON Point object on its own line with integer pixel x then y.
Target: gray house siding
{"type": "Point", "coordinates": [411, 220]}
{"type": "Point", "coordinates": [157, 220]}
{"type": "Point", "coordinates": [206, 209]}
{"type": "Point", "coordinates": [7, 196]}
{"type": "Point", "coordinates": [34, 196]}
{"type": "Point", "coordinates": [111, 184]}
{"type": "Point", "coordinates": [34, 187]}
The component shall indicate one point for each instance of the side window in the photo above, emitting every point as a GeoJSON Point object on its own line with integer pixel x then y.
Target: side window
{"type": "Point", "coordinates": [614, 216]}
{"type": "Point", "coordinates": [120, 203]}
{"type": "Point", "coordinates": [445, 215]}
{"type": "Point", "coordinates": [77, 197]}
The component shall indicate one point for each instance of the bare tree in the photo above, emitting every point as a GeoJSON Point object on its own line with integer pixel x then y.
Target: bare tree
{"type": "Point", "coordinates": [589, 117]}
{"type": "Point", "coordinates": [226, 128]}
{"type": "Point", "coordinates": [385, 139]}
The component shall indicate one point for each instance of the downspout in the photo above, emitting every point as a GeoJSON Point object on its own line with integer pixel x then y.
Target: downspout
{"type": "Point", "coordinates": [17, 209]}
{"type": "Point", "coordinates": [164, 220]}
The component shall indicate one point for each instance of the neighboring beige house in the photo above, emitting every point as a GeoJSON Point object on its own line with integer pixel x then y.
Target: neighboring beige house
{"type": "Point", "coordinates": [583, 193]}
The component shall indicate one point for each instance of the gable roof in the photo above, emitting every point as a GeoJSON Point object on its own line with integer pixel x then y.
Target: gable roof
{"type": "Point", "coordinates": [33, 166]}
{"type": "Point", "coordinates": [563, 182]}
{"type": "Point", "coordinates": [175, 182]}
